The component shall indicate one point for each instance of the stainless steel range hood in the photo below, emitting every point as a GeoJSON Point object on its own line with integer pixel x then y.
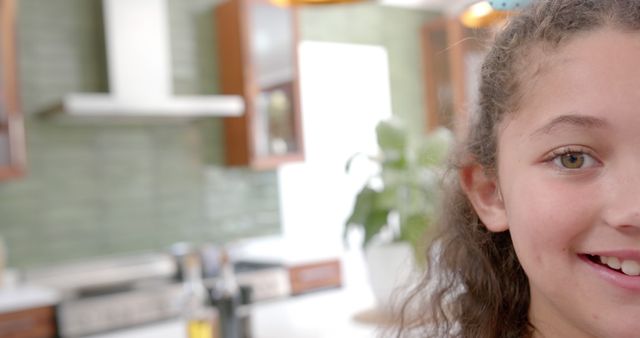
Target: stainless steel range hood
{"type": "Point", "coordinates": [139, 68]}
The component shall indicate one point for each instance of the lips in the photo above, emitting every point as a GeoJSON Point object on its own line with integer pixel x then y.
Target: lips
{"type": "Point", "coordinates": [620, 268]}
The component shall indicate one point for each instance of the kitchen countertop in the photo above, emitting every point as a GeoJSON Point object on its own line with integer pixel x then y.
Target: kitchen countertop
{"type": "Point", "coordinates": [26, 297]}
{"type": "Point", "coordinates": [174, 328]}
{"type": "Point", "coordinates": [325, 314]}
{"type": "Point", "coordinates": [322, 314]}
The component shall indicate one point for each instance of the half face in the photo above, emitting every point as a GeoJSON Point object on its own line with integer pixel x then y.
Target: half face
{"type": "Point", "coordinates": [569, 180]}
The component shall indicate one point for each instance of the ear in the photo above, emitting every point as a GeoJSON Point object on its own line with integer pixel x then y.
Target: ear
{"type": "Point", "coordinates": [484, 194]}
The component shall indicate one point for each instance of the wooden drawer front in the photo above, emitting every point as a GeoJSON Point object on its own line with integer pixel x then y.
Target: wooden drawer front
{"type": "Point", "coordinates": [310, 277]}
{"type": "Point", "coordinates": [31, 323]}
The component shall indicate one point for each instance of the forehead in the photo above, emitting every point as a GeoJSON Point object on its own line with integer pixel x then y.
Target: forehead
{"type": "Point", "coordinates": [594, 71]}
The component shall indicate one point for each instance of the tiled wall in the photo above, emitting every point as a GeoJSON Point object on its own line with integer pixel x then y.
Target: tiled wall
{"type": "Point", "coordinates": [96, 189]}
{"type": "Point", "coordinates": [104, 188]}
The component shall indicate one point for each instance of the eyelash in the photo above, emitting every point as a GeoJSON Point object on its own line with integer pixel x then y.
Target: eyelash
{"type": "Point", "coordinates": [557, 154]}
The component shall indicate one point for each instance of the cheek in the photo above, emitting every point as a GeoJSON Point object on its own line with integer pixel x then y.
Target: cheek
{"type": "Point", "coordinates": [546, 215]}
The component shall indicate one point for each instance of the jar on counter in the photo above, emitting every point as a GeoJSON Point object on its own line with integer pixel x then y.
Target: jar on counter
{"type": "Point", "coordinates": [232, 301]}
{"type": "Point", "coordinates": [201, 318]}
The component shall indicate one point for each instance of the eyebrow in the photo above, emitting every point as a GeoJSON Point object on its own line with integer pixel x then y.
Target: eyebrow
{"type": "Point", "coordinates": [574, 120]}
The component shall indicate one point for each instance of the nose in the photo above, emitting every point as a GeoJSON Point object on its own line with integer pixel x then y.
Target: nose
{"type": "Point", "coordinates": [623, 201]}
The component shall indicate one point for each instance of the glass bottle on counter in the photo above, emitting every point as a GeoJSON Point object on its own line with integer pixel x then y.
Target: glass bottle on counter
{"type": "Point", "coordinates": [201, 319]}
{"type": "Point", "coordinates": [226, 297]}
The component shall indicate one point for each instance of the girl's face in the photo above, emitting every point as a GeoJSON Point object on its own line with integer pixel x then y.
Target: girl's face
{"type": "Point", "coordinates": [569, 187]}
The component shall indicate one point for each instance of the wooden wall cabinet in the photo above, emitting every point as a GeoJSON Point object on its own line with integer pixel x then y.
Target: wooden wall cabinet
{"type": "Point", "coordinates": [452, 55]}
{"type": "Point", "coordinates": [257, 54]}
{"type": "Point", "coordinates": [12, 141]}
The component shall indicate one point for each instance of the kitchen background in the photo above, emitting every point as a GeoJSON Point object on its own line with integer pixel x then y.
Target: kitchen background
{"type": "Point", "coordinates": [94, 189]}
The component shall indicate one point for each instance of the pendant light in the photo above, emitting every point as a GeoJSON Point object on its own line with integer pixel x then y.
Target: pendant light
{"type": "Point", "coordinates": [478, 14]}
{"type": "Point", "coordinates": [288, 3]}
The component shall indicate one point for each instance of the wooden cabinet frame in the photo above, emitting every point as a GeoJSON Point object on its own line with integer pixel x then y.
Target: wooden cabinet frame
{"type": "Point", "coordinates": [12, 123]}
{"type": "Point", "coordinates": [238, 77]}
{"type": "Point", "coordinates": [461, 43]}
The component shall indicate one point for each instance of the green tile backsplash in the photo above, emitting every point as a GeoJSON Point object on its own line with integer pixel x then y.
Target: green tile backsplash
{"type": "Point", "coordinates": [95, 189]}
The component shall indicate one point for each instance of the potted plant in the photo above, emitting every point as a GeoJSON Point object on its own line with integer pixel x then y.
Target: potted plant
{"type": "Point", "coordinates": [396, 205]}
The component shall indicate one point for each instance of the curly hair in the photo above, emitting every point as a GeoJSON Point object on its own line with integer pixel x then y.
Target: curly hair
{"type": "Point", "coordinates": [473, 284]}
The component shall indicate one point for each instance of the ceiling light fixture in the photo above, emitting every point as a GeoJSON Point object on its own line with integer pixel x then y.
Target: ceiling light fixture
{"type": "Point", "coordinates": [481, 14]}
{"type": "Point", "coordinates": [288, 3]}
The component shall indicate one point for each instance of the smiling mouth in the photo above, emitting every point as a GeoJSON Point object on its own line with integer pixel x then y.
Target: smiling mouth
{"type": "Point", "coordinates": [628, 267]}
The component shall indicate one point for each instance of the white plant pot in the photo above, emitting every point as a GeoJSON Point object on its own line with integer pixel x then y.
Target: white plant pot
{"type": "Point", "coordinates": [391, 268]}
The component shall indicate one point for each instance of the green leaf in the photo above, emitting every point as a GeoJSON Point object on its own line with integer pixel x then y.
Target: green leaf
{"type": "Point", "coordinates": [376, 220]}
{"type": "Point", "coordinates": [414, 229]}
{"type": "Point", "coordinates": [387, 198]}
{"type": "Point", "coordinates": [410, 171]}
{"type": "Point", "coordinates": [432, 149]}
{"type": "Point", "coordinates": [393, 177]}
{"type": "Point", "coordinates": [350, 160]}
{"type": "Point", "coordinates": [392, 136]}
{"type": "Point", "coordinates": [370, 211]}
{"type": "Point", "coordinates": [363, 207]}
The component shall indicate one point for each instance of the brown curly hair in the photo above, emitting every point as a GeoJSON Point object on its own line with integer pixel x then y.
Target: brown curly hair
{"type": "Point", "coordinates": [474, 285]}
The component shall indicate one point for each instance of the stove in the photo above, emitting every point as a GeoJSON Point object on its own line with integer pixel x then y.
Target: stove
{"type": "Point", "coordinates": [110, 293]}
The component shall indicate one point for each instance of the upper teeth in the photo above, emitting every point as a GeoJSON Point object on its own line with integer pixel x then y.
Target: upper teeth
{"type": "Point", "coordinates": [628, 267]}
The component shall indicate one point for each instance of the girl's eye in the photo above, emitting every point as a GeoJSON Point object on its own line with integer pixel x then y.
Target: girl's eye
{"type": "Point", "coordinates": [574, 160]}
